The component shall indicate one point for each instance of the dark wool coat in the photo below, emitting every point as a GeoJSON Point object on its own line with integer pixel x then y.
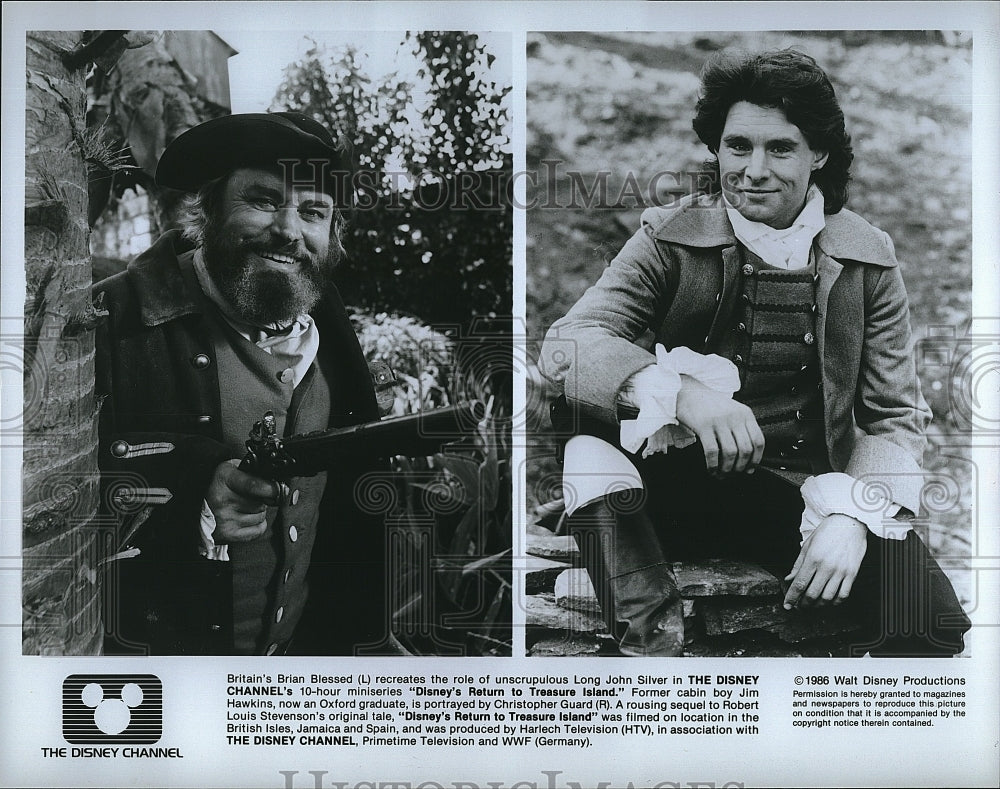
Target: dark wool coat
{"type": "Point", "coordinates": [676, 282]}
{"type": "Point", "coordinates": [160, 441]}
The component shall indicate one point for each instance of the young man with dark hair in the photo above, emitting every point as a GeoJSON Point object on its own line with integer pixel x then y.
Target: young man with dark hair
{"type": "Point", "coordinates": [761, 328]}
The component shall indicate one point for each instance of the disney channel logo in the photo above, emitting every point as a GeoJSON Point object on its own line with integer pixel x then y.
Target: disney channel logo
{"type": "Point", "coordinates": [112, 709]}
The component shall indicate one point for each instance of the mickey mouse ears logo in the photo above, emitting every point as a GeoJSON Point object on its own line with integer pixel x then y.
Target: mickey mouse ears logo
{"type": "Point", "coordinates": [112, 708]}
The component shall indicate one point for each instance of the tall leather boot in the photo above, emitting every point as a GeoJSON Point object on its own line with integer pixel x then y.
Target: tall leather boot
{"type": "Point", "coordinates": [634, 583]}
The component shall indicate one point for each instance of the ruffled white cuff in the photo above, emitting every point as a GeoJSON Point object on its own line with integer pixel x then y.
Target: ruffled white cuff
{"type": "Point", "coordinates": [839, 493]}
{"type": "Point", "coordinates": [653, 390]}
{"type": "Point", "coordinates": [208, 548]}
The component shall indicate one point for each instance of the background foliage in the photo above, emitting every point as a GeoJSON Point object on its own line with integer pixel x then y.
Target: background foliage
{"type": "Point", "coordinates": [432, 237]}
{"type": "Point", "coordinates": [436, 239]}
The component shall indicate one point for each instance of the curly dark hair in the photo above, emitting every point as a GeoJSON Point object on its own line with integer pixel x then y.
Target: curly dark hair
{"type": "Point", "coordinates": [788, 80]}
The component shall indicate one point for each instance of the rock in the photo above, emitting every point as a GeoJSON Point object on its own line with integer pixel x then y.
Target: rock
{"type": "Point", "coordinates": [574, 590]}
{"type": "Point", "coordinates": [542, 542]}
{"type": "Point", "coordinates": [549, 514]}
{"type": "Point", "coordinates": [729, 615]}
{"type": "Point", "coordinates": [570, 646]}
{"type": "Point", "coordinates": [540, 574]}
{"type": "Point", "coordinates": [799, 626]}
{"type": "Point", "coordinates": [541, 611]}
{"type": "Point", "coordinates": [724, 577]}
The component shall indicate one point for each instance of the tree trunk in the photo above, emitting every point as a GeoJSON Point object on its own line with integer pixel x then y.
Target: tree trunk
{"type": "Point", "coordinates": [60, 600]}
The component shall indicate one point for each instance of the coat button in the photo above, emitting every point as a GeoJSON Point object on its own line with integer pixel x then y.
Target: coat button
{"type": "Point", "coordinates": [747, 270]}
{"type": "Point", "coordinates": [718, 297]}
{"type": "Point", "coordinates": [201, 361]}
{"type": "Point", "coordinates": [215, 628]}
{"type": "Point", "coordinates": [295, 497]}
{"type": "Point", "coordinates": [293, 533]}
{"type": "Point", "coordinates": [119, 449]}
{"type": "Point", "coordinates": [279, 613]}
{"type": "Point", "coordinates": [799, 416]}
{"type": "Point", "coordinates": [794, 390]}
{"type": "Point", "coordinates": [746, 298]}
{"type": "Point", "coordinates": [808, 339]}
{"type": "Point", "coordinates": [741, 326]}
{"type": "Point", "coordinates": [285, 376]}
{"type": "Point", "coordinates": [271, 649]}
{"type": "Point", "coordinates": [738, 359]}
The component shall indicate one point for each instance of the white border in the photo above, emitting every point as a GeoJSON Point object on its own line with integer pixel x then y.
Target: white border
{"type": "Point", "coordinates": [29, 696]}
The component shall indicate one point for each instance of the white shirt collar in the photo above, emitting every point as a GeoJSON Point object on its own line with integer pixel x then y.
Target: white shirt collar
{"type": "Point", "coordinates": [787, 248]}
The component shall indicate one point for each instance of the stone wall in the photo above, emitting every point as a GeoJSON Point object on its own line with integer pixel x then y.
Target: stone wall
{"type": "Point", "coordinates": [126, 228]}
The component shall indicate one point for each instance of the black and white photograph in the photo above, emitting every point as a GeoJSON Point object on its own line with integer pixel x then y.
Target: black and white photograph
{"type": "Point", "coordinates": [368, 368]}
{"type": "Point", "coordinates": [266, 404]}
{"type": "Point", "coordinates": [739, 289]}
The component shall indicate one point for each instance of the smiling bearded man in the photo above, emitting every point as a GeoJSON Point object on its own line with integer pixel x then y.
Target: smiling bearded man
{"type": "Point", "coordinates": [760, 327]}
{"type": "Point", "coordinates": [268, 275]}
{"type": "Point", "coordinates": [214, 325]}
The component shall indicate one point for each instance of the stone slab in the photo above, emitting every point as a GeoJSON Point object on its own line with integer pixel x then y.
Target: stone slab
{"type": "Point", "coordinates": [541, 611]}
{"type": "Point", "coordinates": [798, 626]}
{"type": "Point", "coordinates": [732, 615]}
{"type": "Point", "coordinates": [570, 646]}
{"type": "Point", "coordinates": [540, 574]}
{"type": "Point", "coordinates": [542, 542]}
{"type": "Point", "coordinates": [574, 590]}
{"type": "Point", "coordinates": [724, 577]}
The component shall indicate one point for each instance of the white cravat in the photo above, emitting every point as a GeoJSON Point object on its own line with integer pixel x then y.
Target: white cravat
{"type": "Point", "coordinates": [787, 248]}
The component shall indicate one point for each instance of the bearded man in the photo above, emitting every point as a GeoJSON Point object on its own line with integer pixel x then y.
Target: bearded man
{"type": "Point", "coordinates": [207, 330]}
{"type": "Point", "coordinates": [760, 328]}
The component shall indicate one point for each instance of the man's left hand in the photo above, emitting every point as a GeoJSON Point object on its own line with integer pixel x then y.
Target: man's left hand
{"type": "Point", "coordinates": [828, 562]}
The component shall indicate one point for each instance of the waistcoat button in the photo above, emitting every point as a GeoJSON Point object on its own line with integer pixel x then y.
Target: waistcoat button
{"type": "Point", "coordinates": [200, 361]}
{"type": "Point", "coordinates": [747, 270]}
{"type": "Point", "coordinates": [293, 533]}
{"type": "Point", "coordinates": [741, 326]}
{"type": "Point", "coordinates": [809, 339]}
{"type": "Point", "coordinates": [271, 649]}
{"type": "Point", "coordinates": [279, 613]}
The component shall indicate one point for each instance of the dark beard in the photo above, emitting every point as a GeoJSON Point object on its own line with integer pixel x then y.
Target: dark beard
{"type": "Point", "coordinates": [265, 296]}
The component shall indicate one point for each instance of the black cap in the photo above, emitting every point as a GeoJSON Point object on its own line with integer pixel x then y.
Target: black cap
{"type": "Point", "coordinates": [219, 146]}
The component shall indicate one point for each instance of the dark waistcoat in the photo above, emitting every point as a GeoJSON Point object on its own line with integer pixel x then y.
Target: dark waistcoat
{"type": "Point", "coordinates": [772, 341]}
{"type": "Point", "coordinates": [269, 573]}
